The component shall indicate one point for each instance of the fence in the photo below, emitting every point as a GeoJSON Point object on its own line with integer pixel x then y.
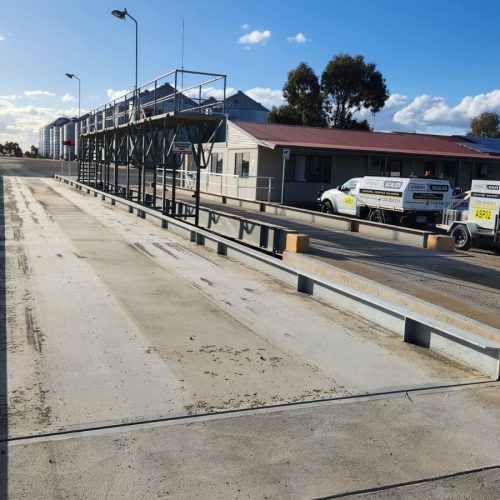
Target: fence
{"type": "Point", "coordinates": [247, 188]}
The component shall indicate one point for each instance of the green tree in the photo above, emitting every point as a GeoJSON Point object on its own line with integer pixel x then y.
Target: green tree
{"type": "Point", "coordinates": [285, 114]}
{"type": "Point", "coordinates": [304, 99]}
{"type": "Point", "coordinates": [349, 84]}
{"type": "Point", "coordinates": [485, 125]}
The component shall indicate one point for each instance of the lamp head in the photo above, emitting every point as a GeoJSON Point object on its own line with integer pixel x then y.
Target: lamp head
{"type": "Point", "coordinates": [120, 14]}
{"type": "Point", "coordinates": [70, 75]}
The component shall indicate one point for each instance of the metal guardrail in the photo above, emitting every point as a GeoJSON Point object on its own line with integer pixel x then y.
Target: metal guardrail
{"type": "Point", "coordinates": [222, 184]}
{"type": "Point", "coordinates": [473, 350]}
{"type": "Point", "coordinates": [404, 235]}
{"type": "Point", "coordinates": [178, 91]}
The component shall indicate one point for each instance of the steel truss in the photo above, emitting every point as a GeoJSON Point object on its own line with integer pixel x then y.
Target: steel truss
{"type": "Point", "coordinates": [127, 159]}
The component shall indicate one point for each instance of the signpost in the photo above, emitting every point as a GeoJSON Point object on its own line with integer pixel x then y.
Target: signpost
{"type": "Point", "coordinates": [182, 148]}
{"type": "Point", "coordinates": [68, 153]}
{"type": "Point", "coordinates": [286, 156]}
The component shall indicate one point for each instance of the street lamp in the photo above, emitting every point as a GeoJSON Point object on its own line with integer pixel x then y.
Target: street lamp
{"type": "Point", "coordinates": [71, 75]}
{"type": "Point", "coordinates": [121, 14]}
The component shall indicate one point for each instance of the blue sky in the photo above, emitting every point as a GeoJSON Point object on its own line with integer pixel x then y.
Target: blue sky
{"type": "Point", "coordinates": [439, 58]}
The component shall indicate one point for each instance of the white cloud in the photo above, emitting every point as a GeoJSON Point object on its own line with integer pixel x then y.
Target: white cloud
{"type": "Point", "coordinates": [115, 94]}
{"type": "Point", "coordinates": [68, 98]}
{"type": "Point", "coordinates": [206, 92]}
{"type": "Point", "coordinates": [255, 37]}
{"type": "Point", "coordinates": [11, 97]}
{"type": "Point", "coordinates": [21, 123]}
{"type": "Point", "coordinates": [266, 96]}
{"type": "Point", "coordinates": [2, 38]}
{"type": "Point", "coordinates": [426, 110]}
{"type": "Point", "coordinates": [298, 38]}
{"type": "Point", "coordinates": [431, 114]}
{"type": "Point", "coordinates": [38, 93]}
{"type": "Point", "coordinates": [245, 26]}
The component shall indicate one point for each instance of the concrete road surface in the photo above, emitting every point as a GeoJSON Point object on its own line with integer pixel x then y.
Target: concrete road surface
{"type": "Point", "coordinates": [135, 364]}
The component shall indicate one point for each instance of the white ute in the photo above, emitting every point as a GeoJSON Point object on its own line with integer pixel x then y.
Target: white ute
{"type": "Point", "coordinates": [480, 220]}
{"type": "Point", "coordinates": [393, 200]}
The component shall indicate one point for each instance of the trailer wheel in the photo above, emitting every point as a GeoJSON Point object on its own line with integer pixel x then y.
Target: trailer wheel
{"type": "Point", "coordinates": [327, 207]}
{"type": "Point", "coordinates": [376, 216]}
{"type": "Point", "coordinates": [463, 240]}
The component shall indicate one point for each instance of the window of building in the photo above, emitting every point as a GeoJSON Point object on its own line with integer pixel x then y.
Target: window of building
{"type": "Point", "coordinates": [242, 164]}
{"type": "Point", "coordinates": [216, 163]}
{"type": "Point", "coordinates": [430, 166]}
{"type": "Point", "coordinates": [377, 166]}
{"type": "Point", "coordinates": [188, 162]}
{"type": "Point", "coordinates": [394, 168]}
{"type": "Point", "coordinates": [309, 168]}
{"type": "Point", "coordinates": [450, 168]}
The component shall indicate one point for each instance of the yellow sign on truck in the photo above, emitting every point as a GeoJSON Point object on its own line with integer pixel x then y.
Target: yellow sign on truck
{"type": "Point", "coordinates": [481, 220]}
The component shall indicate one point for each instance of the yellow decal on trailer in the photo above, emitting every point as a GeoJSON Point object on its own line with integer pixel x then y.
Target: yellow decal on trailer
{"type": "Point", "coordinates": [482, 214]}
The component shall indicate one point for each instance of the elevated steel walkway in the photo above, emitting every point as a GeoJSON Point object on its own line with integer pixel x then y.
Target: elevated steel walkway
{"type": "Point", "coordinates": [126, 141]}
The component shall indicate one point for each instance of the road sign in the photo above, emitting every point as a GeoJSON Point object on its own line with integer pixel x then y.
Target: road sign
{"type": "Point", "coordinates": [286, 154]}
{"type": "Point", "coordinates": [182, 148]}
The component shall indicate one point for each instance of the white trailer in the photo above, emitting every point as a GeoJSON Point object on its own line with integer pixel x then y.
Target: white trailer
{"type": "Point", "coordinates": [480, 220]}
{"type": "Point", "coordinates": [392, 200]}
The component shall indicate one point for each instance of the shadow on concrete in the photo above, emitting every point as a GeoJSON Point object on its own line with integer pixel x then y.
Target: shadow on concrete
{"type": "Point", "coordinates": [34, 167]}
{"type": "Point", "coordinates": [4, 424]}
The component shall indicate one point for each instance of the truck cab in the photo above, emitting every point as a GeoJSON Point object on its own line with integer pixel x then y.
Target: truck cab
{"type": "Point", "coordinates": [342, 199]}
{"type": "Point", "coordinates": [392, 200]}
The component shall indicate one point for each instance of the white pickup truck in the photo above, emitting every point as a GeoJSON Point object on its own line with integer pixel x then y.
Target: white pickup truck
{"type": "Point", "coordinates": [480, 219]}
{"type": "Point", "coordinates": [415, 201]}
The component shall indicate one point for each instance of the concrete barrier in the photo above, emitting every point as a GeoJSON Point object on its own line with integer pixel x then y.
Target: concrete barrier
{"type": "Point", "coordinates": [297, 243]}
{"type": "Point", "coordinates": [252, 232]}
{"type": "Point", "coordinates": [407, 236]}
{"type": "Point", "coordinates": [441, 242]}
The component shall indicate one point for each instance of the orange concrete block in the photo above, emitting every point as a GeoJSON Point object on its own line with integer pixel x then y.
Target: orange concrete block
{"type": "Point", "coordinates": [441, 242]}
{"type": "Point", "coordinates": [297, 243]}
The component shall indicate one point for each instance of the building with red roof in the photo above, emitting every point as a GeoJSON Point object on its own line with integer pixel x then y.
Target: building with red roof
{"type": "Point", "coordinates": [319, 158]}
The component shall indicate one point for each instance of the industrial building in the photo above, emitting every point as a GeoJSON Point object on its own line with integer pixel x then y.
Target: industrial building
{"type": "Point", "coordinates": [153, 102]}
{"type": "Point", "coordinates": [51, 138]}
{"type": "Point", "coordinates": [321, 158]}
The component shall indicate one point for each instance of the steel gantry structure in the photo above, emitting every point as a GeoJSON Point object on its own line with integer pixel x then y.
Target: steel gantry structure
{"type": "Point", "coordinates": [128, 143]}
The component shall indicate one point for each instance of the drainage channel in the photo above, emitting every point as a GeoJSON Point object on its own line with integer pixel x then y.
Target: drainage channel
{"type": "Point", "coordinates": [75, 431]}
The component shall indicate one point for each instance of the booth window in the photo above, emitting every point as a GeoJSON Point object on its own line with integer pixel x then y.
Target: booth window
{"type": "Point", "coordinates": [216, 163]}
{"type": "Point", "coordinates": [242, 164]}
{"type": "Point", "coordinates": [308, 168]}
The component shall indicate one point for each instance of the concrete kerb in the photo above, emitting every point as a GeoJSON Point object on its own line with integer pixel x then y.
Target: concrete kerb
{"type": "Point", "coordinates": [477, 352]}
{"type": "Point", "coordinates": [313, 264]}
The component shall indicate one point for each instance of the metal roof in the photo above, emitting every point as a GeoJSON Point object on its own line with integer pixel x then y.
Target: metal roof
{"type": "Point", "coordinates": [274, 135]}
{"type": "Point", "coordinates": [240, 101]}
{"type": "Point", "coordinates": [489, 145]}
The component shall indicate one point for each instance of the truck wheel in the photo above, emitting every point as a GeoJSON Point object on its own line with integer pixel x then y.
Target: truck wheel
{"type": "Point", "coordinates": [463, 240]}
{"type": "Point", "coordinates": [327, 207]}
{"type": "Point", "coordinates": [376, 216]}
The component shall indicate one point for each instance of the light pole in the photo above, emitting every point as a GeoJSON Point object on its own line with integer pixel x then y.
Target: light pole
{"type": "Point", "coordinates": [121, 14]}
{"type": "Point", "coordinates": [71, 75]}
